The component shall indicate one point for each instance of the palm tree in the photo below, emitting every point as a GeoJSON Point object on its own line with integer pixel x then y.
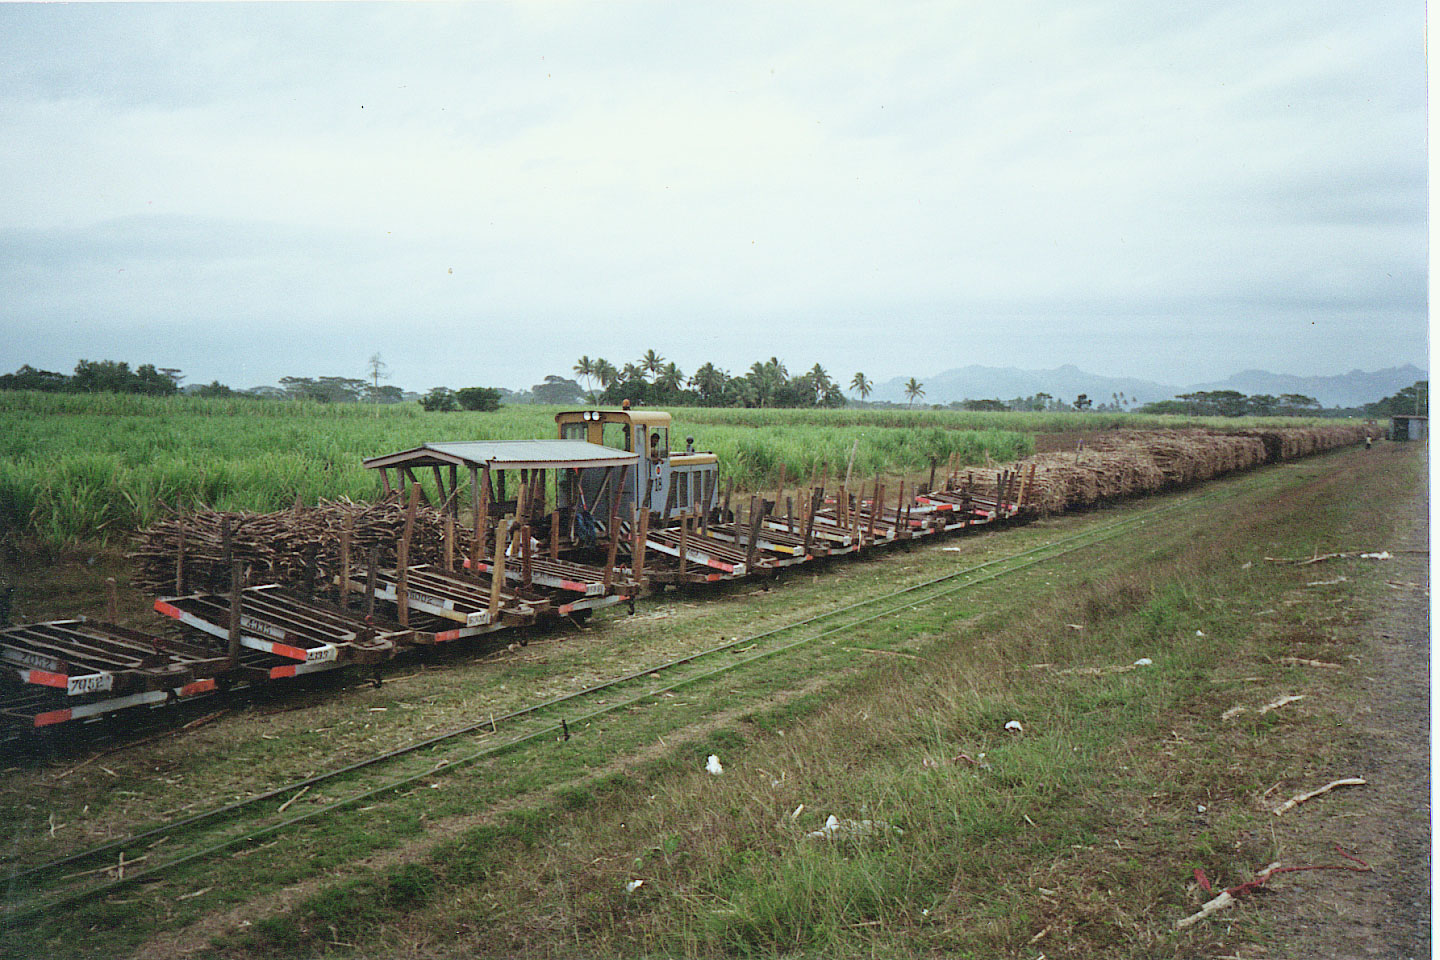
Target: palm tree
{"type": "Point", "coordinates": [652, 362]}
{"type": "Point", "coordinates": [860, 385]}
{"type": "Point", "coordinates": [585, 367]}
{"type": "Point", "coordinates": [605, 372]}
{"type": "Point", "coordinates": [767, 378]}
{"type": "Point", "coordinates": [630, 373]}
{"type": "Point", "coordinates": [709, 382]}
{"type": "Point", "coordinates": [914, 390]}
{"type": "Point", "coordinates": [820, 381]}
{"type": "Point", "coordinates": [670, 378]}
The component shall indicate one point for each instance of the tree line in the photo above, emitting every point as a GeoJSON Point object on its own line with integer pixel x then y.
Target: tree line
{"type": "Point", "coordinates": [97, 376]}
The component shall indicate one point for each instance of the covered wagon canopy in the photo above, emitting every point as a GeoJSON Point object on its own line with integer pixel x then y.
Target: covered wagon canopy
{"type": "Point", "coordinates": [486, 463]}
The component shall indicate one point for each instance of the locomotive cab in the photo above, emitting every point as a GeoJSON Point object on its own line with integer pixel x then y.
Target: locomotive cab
{"type": "Point", "coordinates": [667, 483]}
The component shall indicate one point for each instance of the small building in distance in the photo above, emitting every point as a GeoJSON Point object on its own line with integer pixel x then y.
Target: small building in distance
{"type": "Point", "coordinates": [1405, 427]}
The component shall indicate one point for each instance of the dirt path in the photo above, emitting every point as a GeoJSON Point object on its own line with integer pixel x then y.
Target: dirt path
{"type": "Point", "coordinates": [1385, 913]}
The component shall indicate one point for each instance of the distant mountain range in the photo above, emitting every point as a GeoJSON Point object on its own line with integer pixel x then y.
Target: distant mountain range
{"type": "Point", "coordinates": [1065, 383]}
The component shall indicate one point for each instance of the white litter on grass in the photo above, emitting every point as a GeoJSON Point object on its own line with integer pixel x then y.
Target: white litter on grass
{"type": "Point", "coordinates": [1144, 662]}
{"type": "Point", "coordinates": [634, 885]}
{"type": "Point", "coordinates": [1199, 633]}
{"type": "Point", "coordinates": [1326, 583]}
{"type": "Point", "coordinates": [834, 826]}
{"type": "Point", "coordinates": [1382, 555]}
{"type": "Point", "coordinates": [1199, 808]}
{"type": "Point", "coordinates": [1014, 726]}
{"type": "Point", "coordinates": [712, 765]}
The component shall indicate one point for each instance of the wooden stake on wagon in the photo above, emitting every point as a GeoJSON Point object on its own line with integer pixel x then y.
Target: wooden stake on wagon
{"type": "Point", "coordinates": [180, 562]}
{"type": "Point", "coordinates": [497, 568]}
{"type": "Point", "coordinates": [449, 541]}
{"type": "Point", "coordinates": [708, 494]}
{"type": "Point", "coordinates": [237, 584]}
{"type": "Point", "coordinates": [482, 516]}
{"type": "Point", "coordinates": [642, 533]}
{"type": "Point", "coordinates": [613, 527]}
{"type": "Point", "coordinates": [756, 518]}
{"type": "Point", "coordinates": [810, 518]}
{"type": "Point", "coordinates": [346, 532]}
{"type": "Point", "coordinates": [780, 489]}
{"type": "Point", "coordinates": [526, 570]}
{"type": "Point", "coordinates": [555, 534]}
{"type": "Point", "coordinates": [879, 505]}
{"type": "Point", "coordinates": [729, 484]}
{"type": "Point", "coordinates": [372, 573]}
{"type": "Point", "coordinates": [402, 559]}
{"type": "Point", "coordinates": [684, 544]}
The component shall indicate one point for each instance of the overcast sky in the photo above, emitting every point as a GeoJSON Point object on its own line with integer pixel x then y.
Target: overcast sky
{"type": "Point", "coordinates": [481, 193]}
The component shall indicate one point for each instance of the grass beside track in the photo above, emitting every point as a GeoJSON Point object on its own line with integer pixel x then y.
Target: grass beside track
{"type": "Point", "coordinates": [1085, 824]}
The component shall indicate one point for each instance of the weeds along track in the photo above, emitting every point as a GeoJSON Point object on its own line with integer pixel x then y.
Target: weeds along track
{"type": "Point", "coordinates": [69, 880]}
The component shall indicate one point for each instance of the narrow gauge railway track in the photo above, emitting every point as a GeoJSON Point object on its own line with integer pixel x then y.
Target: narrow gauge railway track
{"type": "Point", "coordinates": [45, 888]}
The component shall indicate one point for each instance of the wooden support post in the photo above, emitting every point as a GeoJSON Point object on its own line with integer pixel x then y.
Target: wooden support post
{"type": "Point", "coordinates": [613, 528]}
{"type": "Point", "coordinates": [347, 532]}
{"type": "Point", "coordinates": [482, 516]}
{"type": "Point", "coordinates": [439, 485]}
{"type": "Point", "coordinates": [227, 544]}
{"type": "Point", "coordinates": [707, 494]}
{"type": "Point", "coordinates": [372, 574]}
{"type": "Point", "coordinates": [815, 494]}
{"type": "Point", "coordinates": [933, 464]}
{"type": "Point", "coordinates": [725, 512]}
{"type": "Point", "coordinates": [307, 587]}
{"type": "Point", "coordinates": [497, 569]}
{"type": "Point", "coordinates": [555, 534]}
{"type": "Point", "coordinates": [526, 570]}
{"type": "Point", "coordinates": [1026, 487]}
{"type": "Point", "coordinates": [999, 494]}
{"type": "Point", "coordinates": [385, 481]}
{"type": "Point", "coordinates": [237, 587]}
{"type": "Point", "coordinates": [415, 484]}
{"type": "Point", "coordinates": [522, 500]}
{"type": "Point", "coordinates": [684, 544]}
{"type": "Point", "coordinates": [642, 533]}
{"type": "Point", "coordinates": [449, 535]}
{"type": "Point", "coordinates": [402, 558]}
{"type": "Point", "coordinates": [874, 508]}
{"type": "Point", "coordinates": [180, 562]}
{"type": "Point", "coordinates": [757, 517]}
{"type": "Point", "coordinates": [789, 514]}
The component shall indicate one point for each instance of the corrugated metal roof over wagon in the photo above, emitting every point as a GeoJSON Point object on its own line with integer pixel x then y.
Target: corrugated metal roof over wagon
{"type": "Point", "coordinates": [506, 455]}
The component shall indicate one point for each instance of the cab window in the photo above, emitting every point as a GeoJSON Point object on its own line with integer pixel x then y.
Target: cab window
{"type": "Point", "coordinates": [572, 431]}
{"type": "Point", "coordinates": [659, 441]}
{"type": "Point", "coordinates": [617, 436]}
